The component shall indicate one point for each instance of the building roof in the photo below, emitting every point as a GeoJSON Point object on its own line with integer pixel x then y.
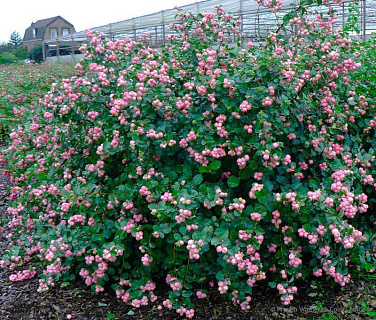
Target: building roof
{"type": "Point", "coordinates": [40, 27]}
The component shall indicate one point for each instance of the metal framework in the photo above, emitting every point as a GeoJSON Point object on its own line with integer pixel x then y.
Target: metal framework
{"type": "Point", "coordinates": [258, 22]}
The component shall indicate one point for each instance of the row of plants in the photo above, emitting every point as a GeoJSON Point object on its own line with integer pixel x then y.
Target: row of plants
{"type": "Point", "coordinates": [201, 167]}
{"type": "Point", "coordinates": [22, 86]}
{"type": "Point", "coordinates": [13, 57]}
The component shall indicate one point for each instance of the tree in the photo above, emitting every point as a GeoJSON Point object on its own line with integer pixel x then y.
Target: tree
{"type": "Point", "coordinates": [15, 40]}
{"type": "Point", "coordinates": [4, 47]}
{"type": "Point", "coordinates": [20, 53]}
{"type": "Point", "coordinates": [36, 54]}
{"type": "Point", "coordinates": [7, 58]}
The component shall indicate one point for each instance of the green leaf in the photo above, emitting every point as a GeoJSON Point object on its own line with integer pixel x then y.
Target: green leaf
{"type": "Point", "coordinates": [65, 284]}
{"type": "Point", "coordinates": [203, 169]}
{"type": "Point", "coordinates": [197, 179]}
{"type": "Point", "coordinates": [187, 171]}
{"type": "Point", "coordinates": [215, 165]}
{"type": "Point", "coordinates": [91, 187]}
{"type": "Point", "coordinates": [78, 190]}
{"type": "Point", "coordinates": [268, 185]}
{"type": "Point", "coordinates": [186, 293]}
{"type": "Point", "coordinates": [281, 179]}
{"type": "Point", "coordinates": [222, 232]}
{"type": "Point", "coordinates": [107, 233]}
{"type": "Point", "coordinates": [367, 266]}
{"type": "Point", "coordinates": [41, 176]}
{"type": "Point", "coordinates": [106, 146]}
{"type": "Point", "coordinates": [172, 175]}
{"type": "Point", "coordinates": [64, 193]}
{"type": "Point", "coordinates": [183, 230]}
{"type": "Point", "coordinates": [110, 224]}
{"type": "Point", "coordinates": [233, 182]}
{"type": "Point", "coordinates": [101, 304]}
{"type": "Point", "coordinates": [252, 164]}
{"type": "Point", "coordinates": [220, 276]}
{"type": "Point", "coordinates": [313, 184]}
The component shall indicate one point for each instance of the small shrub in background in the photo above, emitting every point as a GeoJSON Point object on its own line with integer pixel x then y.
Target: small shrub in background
{"type": "Point", "coordinates": [203, 166]}
{"type": "Point", "coordinates": [21, 53]}
{"type": "Point", "coordinates": [7, 58]}
{"type": "Point", "coordinates": [36, 54]}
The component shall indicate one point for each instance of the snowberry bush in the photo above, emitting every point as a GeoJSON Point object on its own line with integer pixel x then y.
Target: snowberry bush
{"type": "Point", "coordinates": [203, 166]}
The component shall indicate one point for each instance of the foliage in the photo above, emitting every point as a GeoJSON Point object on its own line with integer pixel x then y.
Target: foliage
{"type": "Point", "coordinates": [20, 53]}
{"type": "Point", "coordinates": [7, 58]}
{"type": "Point", "coordinates": [36, 54]}
{"type": "Point", "coordinates": [11, 52]}
{"type": "Point", "coordinates": [15, 40]}
{"type": "Point", "coordinates": [4, 47]}
{"type": "Point", "coordinates": [202, 166]}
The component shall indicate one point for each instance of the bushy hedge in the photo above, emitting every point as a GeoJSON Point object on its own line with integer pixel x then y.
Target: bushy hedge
{"type": "Point", "coordinates": [20, 53]}
{"type": "Point", "coordinates": [36, 54]}
{"type": "Point", "coordinates": [13, 56]}
{"type": "Point", "coordinates": [7, 58]}
{"type": "Point", "coordinates": [201, 166]}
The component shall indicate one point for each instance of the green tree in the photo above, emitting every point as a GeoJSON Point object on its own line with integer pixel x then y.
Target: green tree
{"type": "Point", "coordinates": [36, 54]}
{"type": "Point", "coordinates": [15, 40]}
{"type": "Point", "coordinates": [4, 47]}
{"type": "Point", "coordinates": [7, 58]}
{"type": "Point", "coordinates": [20, 53]}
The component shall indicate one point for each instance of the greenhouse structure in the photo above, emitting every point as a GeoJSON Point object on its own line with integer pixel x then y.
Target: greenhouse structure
{"type": "Point", "coordinates": [257, 23]}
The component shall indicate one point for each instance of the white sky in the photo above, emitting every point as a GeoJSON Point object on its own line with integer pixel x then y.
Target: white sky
{"type": "Point", "coordinates": [17, 15]}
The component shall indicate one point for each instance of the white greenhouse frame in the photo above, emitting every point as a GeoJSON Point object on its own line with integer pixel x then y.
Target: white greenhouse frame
{"type": "Point", "coordinates": [257, 23]}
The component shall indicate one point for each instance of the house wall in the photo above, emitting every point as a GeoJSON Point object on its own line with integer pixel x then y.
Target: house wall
{"type": "Point", "coordinates": [58, 24]}
{"type": "Point", "coordinates": [73, 59]}
{"type": "Point", "coordinates": [29, 45]}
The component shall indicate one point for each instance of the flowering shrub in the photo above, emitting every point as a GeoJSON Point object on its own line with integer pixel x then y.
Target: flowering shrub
{"type": "Point", "coordinates": [201, 166]}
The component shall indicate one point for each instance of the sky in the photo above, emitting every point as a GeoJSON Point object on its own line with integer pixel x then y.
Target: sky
{"type": "Point", "coordinates": [17, 15]}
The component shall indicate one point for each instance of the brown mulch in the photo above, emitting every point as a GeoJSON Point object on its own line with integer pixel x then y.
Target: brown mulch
{"type": "Point", "coordinates": [21, 301]}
